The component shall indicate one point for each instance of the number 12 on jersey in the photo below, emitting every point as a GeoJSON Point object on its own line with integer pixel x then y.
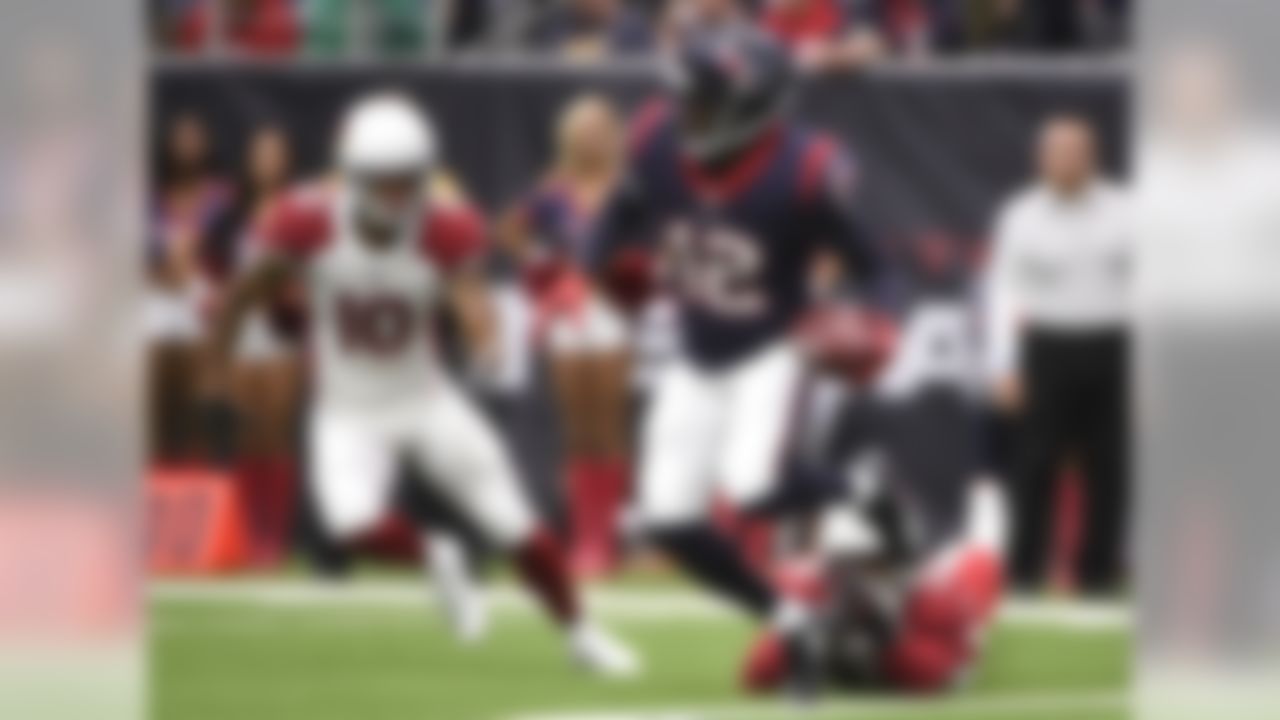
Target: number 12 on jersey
{"type": "Point", "coordinates": [715, 268]}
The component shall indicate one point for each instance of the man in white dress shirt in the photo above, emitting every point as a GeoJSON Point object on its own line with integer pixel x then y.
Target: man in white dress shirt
{"type": "Point", "coordinates": [1057, 311]}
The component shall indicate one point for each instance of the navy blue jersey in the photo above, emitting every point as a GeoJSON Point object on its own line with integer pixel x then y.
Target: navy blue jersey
{"type": "Point", "coordinates": [736, 247]}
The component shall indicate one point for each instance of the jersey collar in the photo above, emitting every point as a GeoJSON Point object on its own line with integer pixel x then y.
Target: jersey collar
{"type": "Point", "coordinates": [727, 183]}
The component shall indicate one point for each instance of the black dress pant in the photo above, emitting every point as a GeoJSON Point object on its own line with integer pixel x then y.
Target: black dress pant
{"type": "Point", "coordinates": [1076, 410]}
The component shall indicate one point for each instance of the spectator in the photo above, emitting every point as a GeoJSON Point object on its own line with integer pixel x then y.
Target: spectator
{"type": "Point", "coordinates": [822, 35]}
{"type": "Point", "coordinates": [586, 340]}
{"type": "Point", "coordinates": [178, 25]}
{"type": "Point", "coordinates": [1042, 25]}
{"type": "Point", "coordinates": [593, 29]}
{"type": "Point", "coordinates": [401, 27]}
{"type": "Point", "coordinates": [392, 28]}
{"type": "Point", "coordinates": [189, 201]}
{"type": "Point", "coordinates": [1057, 312]}
{"type": "Point", "coordinates": [1000, 24]}
{"type": "Point", "coordinates": [493, 26]}
{"type": "Point", "coordinates": [255, 28]}
{"type": "Point", "coordinates": [1105, 22]}
{"type": "Point", "coordinates": [907, 26]}
{"type": "Point", "coordinates": [683, 15]}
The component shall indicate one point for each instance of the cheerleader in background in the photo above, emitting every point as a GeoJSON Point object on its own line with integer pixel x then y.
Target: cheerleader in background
{"type": "Point", "coordinates": [585, 339]}
{"type": "Point", "coordinates": [188, 202]}
{"type": "Point", "coordinates": [266, 374]}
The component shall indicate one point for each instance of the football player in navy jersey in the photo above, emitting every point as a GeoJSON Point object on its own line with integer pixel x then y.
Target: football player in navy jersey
{"type": "Point", "coordinates": [737, 203]}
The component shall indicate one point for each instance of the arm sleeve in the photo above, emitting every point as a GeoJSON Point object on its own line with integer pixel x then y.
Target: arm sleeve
{"type": "Point", "coordinates": [623, 225]}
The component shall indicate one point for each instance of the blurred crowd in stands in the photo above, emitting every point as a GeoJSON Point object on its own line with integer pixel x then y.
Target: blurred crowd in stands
{"type": "Point", "coordinates": [824, 34]}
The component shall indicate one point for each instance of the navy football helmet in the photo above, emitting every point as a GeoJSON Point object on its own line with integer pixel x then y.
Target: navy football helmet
{"type": "Point", "coordinates": [730, 85]}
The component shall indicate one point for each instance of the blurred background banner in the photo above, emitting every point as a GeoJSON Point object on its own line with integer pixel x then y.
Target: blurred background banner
{"type": "Point", "coordinates": [1208, 115]}
{"type": "Point", "coordinates": [71, 616]}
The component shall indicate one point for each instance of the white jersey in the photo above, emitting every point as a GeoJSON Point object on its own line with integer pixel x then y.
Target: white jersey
{"type": "Point", "coordinates": [371, 309]}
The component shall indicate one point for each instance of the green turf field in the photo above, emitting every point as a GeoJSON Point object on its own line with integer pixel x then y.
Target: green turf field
{"type": "Point", "coordinates": [377, 651]}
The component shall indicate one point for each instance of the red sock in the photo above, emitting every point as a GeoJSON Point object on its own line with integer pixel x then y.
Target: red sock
{"type": "Point", "coordinates": [281, 506]}
{"type": "Point", "coordinates": [251, 474]}
{"type": "Point", "coordinates": [612, 479]}
{"type": "Point", "coordinates": [542, 566]}
{"type": "Point", "coordinates": [584, 499]}
{"type": "Point", "coordinates": [266, 486]}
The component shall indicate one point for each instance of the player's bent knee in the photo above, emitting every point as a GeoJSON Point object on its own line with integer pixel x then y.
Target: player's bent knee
{"type": "Point", "coordinates": [749, 491]}
{"type": "Point", "coordinates": [514, 531]}
{"type": "Point", "coordinates": [343, 512]}
{"type": "Point", "coordinates": [501, 512]}
{"type": "Point", "coordinates": [669, 498]}
{"type": "Point", "coordinates": [656, 516]}
{"type": "Point", "coordinates": [347, 524]}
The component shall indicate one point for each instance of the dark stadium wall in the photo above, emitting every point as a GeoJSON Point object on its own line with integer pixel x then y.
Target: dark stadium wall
{"type": "Point", "coordinates": [937, 151]}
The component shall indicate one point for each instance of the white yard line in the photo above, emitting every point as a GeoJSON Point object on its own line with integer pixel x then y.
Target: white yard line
{"type": "Point", "coordinates": [624, 603]}
{"type": "Point", "coordinates": [991, 706]}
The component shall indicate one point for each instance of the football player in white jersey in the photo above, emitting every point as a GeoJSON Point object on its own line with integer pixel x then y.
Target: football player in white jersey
{"type": "Point", "coordinates": [380, 256]}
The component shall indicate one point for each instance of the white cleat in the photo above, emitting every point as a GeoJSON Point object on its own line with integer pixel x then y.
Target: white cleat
{"type": "Point", "coordinates": [460, 598]}
{"type": "Point", "coordinates": [469, 620]}
{"type": "Point", "coordinates": [603, 654]}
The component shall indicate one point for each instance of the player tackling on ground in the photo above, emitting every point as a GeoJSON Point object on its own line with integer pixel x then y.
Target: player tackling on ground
{"type": "Point", "coordinates": [738, 203]}
{"type": "Point", "coordinates": [379, 259]}
{"type": "Point", "coordinates": [901, 609]}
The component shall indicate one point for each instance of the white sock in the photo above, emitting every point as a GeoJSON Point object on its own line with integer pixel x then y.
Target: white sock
{"type": "Point", "coordinates": [987, 516]}
{"type": "Point", "coordinates": [790, 616]}
{"type": "Point", "coordinates": [446, 562]}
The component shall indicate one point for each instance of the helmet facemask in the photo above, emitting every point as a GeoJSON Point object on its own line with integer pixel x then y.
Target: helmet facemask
{"type": "Point", "coordinates": [387, 202]}
{"type": "Point", "coordinates": [726, 99]}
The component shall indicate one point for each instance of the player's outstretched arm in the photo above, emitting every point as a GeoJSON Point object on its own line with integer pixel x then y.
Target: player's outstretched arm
{"type": "Point", "coordinates": [623, 253]}
{"type": "Point", "coordinates": [247, 290]}
{"type": "Point", "coordinates": [618, 226]}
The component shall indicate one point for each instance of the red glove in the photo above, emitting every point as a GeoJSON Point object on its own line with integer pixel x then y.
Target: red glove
{"type": "Point", "coordinates": [850, 341]}
{"type": "Point", "coordinates": [628, 279]}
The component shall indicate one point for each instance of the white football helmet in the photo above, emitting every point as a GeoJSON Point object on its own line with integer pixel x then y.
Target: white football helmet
{"type": "Point", "coordinates": [386, 138]}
